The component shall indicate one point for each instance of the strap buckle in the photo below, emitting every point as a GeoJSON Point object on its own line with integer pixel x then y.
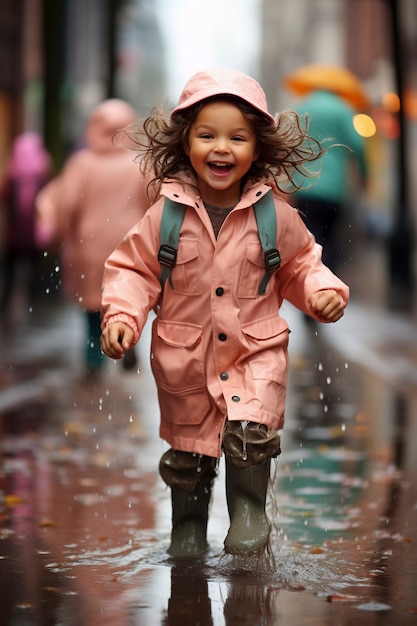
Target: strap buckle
{"type": "Point", "coordinates": [167, 255]}
{"type": "Point", "coordinates": [272, 260]}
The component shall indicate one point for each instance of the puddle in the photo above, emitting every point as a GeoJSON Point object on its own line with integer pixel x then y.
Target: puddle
{"type": "Point", "coordinates": [85, 518]}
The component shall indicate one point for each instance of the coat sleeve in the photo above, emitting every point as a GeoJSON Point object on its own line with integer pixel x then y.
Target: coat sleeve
{"type": "Point", "coordinates": [131, 287]}
{"type": "Point", "coordinates": [58, 202]}
{"type": "Point", "coordinates": [302, 270]}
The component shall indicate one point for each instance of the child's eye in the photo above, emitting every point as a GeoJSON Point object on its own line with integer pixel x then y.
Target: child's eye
{"type": "Point", "coordinates": [238, 138]}
{"type": "Point", "coordinates": [206, 136]}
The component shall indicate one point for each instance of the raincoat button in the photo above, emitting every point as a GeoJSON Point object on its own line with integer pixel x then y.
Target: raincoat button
{"type": "Point", "coordinates": [175, 195]}
{"type": "Point", "coordinates": [224, 376]}
{"type": "Point", "coordinates": [219, 291]}
{"type": "Point", "coordinates": [222, 337]}
{"type": "Point", "coordinates": [258, 193]}
{"type": "Point", "coordinates": [236, 398]}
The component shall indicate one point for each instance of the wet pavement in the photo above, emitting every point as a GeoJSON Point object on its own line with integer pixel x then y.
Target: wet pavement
{"type": "Point", "coordinates": [85, 517]}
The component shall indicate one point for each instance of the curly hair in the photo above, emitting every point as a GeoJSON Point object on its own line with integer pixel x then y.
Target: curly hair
{"type": "Point", "coordinates": [284, 147]}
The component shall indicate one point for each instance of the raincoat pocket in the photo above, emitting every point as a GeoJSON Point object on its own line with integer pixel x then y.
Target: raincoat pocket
{"type": "Point", "coordinates": [185, 275]}
{"type": "Point", "coordinates": [177, 356]}
{"type": "Point", "coordinates": [269, 339]}
{"type": "Point", "coordinates": [253, 270]}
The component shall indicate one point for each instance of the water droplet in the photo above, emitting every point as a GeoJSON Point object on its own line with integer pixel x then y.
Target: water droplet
{"type": "Point", "coordinates": [320, 367]}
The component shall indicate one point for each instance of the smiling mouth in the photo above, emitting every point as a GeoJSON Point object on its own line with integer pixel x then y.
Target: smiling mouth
{"type": "Point", "coordinates": [220, 168]}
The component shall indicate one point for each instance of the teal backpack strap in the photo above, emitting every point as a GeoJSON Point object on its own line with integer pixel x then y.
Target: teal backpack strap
{"type": "Point", "coordinates": [266, 220]}
{"type": "Point", "coordinates": [172, 217]}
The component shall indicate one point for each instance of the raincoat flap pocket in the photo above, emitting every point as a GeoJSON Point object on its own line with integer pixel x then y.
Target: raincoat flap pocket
{"type": "Point", "coordinates": [254, 254]}
{"type": "Point", "coordinates": [265, 328]}
{"type": "Point", "coordinates": [187, 250]}
{"type": "Point", "coordinates": [179, 334]}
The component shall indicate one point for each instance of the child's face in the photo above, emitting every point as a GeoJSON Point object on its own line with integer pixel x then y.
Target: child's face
{"type": "Point", "coordinates": [221, 148]}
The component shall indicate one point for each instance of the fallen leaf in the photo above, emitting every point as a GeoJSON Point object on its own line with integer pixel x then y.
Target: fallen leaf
{"type": "Point", "coordinates": [46, 523]}
{"type": "Point", "coordinates": [340, 598]}
{"type": "Point", "coordinates": [12, 500]}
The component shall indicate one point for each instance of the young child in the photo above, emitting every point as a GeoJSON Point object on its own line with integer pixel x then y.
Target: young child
{"type": "Point", "coordinates": [87, 209]}
{"type": "Point", "coordinates": [219, 347]}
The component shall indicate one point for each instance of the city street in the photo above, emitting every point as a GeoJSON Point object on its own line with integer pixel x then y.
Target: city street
{"type": "Point", "coordinates": [85, 517]}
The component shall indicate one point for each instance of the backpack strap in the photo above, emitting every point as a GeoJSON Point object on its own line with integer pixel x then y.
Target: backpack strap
{"type": "Point", "coordinates": [266, 220]}
{"type": "Point", "coordinates": [172, 217]}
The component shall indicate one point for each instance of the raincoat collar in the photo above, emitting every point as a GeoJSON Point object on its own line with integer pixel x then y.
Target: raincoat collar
{"type": "Point", "coordinates": [186, 193]}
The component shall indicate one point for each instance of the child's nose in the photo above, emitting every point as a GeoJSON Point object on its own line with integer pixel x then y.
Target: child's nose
{"type": "Point", "coordinates": [222, 145]}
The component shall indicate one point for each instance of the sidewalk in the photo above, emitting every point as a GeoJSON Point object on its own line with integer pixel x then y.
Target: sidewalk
{"type": "Point", "coordinates": [381, 341]}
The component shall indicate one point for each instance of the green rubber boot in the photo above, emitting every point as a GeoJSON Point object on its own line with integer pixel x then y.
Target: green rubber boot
{"type": "Point", "coordinates": [246, 497]}
{"type": "Point", "coordinates": [189, 522]}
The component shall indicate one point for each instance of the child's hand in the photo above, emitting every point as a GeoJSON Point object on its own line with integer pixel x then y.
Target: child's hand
{"type": "Point", "coordinates": [115, 339]}
{"type": "Point", "coordinates": [327, 304]}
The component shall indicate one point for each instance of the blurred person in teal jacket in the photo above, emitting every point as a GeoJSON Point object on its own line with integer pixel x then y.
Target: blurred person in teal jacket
{"type": "Point", "coordinates": [341, 171]}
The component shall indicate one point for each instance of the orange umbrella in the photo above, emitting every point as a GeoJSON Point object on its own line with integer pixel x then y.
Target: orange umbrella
{"type": "Point", "coordinates": [339, 80]}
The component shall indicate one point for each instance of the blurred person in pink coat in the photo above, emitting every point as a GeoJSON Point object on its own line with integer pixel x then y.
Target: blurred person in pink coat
{"type": "Point", "coordinates": [28, 169]}
{"type": "Point", "coordinates": [219, 350]}
{"type": "Point", "coordinates": [87, 209]}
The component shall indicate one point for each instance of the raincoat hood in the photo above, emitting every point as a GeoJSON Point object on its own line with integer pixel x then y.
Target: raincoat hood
{"type": "Point", "coordinates": [219, 82]}
{"type": "Point", "coordinates": [105, 120]}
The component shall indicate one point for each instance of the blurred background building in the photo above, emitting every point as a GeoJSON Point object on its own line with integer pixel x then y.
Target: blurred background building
{"type": "Point", "coordinates": [59, 58]}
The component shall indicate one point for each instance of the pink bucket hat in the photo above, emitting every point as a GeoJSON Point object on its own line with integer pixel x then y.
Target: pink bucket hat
{"type": "Point", "coordinates": [220, 82]}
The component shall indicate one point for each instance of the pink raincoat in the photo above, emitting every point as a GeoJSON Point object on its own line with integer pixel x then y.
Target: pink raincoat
{"type": "Point", "coordinates": [218, 348]}
{"type": "Point", "coordinates": [97, 198]}
{"type": "Point", "coordinates": [28, 170]}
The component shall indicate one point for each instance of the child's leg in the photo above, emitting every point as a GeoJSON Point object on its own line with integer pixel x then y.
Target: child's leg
{"type": "Point", "coordinates": [248, 449]}
{"type": "Point", "coordinates": [94, 358]}
{"type": "Point", "coordinates": [190, 477]}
